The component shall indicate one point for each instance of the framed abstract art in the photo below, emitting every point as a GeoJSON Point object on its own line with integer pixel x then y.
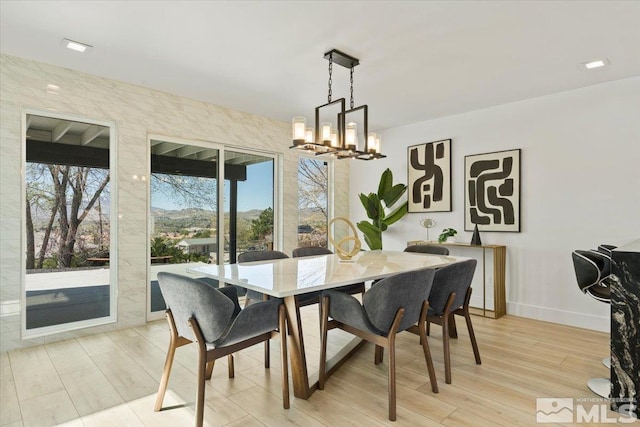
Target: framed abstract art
{"type": "Point", "coordinates": [492, 191]}
{"type": "Point", "coordinates": [429, 177]}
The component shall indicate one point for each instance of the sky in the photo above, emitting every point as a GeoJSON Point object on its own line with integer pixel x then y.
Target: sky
{"type": "Point", "coordinates": [254, 193]}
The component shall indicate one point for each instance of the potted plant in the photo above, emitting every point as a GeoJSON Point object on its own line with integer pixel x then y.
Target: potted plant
{"type": "Point", "coordinates": [447, 235]}
{"type": "Point", "coordinates": [376, 206]}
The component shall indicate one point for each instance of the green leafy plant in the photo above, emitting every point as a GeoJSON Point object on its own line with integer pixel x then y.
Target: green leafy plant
{"type": "Point", "coordinates": [376, 206]}
{"type": "Point", "coordinates": [446, 233]}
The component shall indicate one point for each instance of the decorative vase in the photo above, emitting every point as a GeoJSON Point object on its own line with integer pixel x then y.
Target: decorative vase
{"type": "Point", "coordinates": [475, 240]}
{"type": "Point", "coordinates": [450, 240]}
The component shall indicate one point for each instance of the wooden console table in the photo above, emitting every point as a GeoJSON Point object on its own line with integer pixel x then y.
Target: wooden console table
{"type": "Point", "coordinates": [494, 273]}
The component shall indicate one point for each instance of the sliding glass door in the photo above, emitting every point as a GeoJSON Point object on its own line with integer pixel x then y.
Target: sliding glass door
{"type": "Point", "coordinates": [184, 195]}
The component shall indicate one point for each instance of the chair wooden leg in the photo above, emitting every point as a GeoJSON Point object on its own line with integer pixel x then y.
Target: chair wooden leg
{"type": "Point", "coordinates": [174, 343]}
{"type": "Point", "coordinates": [209, 370]}
{"type": "Point", "coordinates": [231, 366]}
{"type": "Point", "coordinates": [467, 318]}
{"type": "Point", "coordinates": [282, 326]}
{"type": "Point", "coordinates": [267, 355]}
{"type": "Point", "coordinates": [445, 345]}
{"type": "Point", "coordinates": [474, 343]}
{"type": "Point", "coordinates": [428, 331]}
{"type": "Point", "coordinates": [166, 371]}
{"type": "Point", "coordinates": [422, 326]}
{"type": "Point", "coordinates": [202, 368]}
{"type": "Point", "coordinates": [324, 309]}
{"type": "Point", "coordinates": [392, 378]}
{"type": "Point", "coordinates": [453, 331]}
{"type": "Point", "coordinates": [378, 355]}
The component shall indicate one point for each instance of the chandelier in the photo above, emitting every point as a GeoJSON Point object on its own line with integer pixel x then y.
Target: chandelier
{"type": "Point", "coordinates": [344, 135]}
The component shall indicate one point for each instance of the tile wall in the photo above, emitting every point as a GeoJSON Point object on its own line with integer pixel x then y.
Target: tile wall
{"type": "Point", "coordinates": [136, 111]}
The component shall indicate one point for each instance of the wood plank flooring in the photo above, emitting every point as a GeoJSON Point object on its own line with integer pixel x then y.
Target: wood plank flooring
{"type": "Point", "coordinates": [111, 379]}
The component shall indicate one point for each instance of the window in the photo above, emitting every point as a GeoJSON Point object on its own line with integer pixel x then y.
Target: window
{"type": "Point", "coordinates": [249, 197]}
{"type": "Point", "coordinates": [313, 183]}
{"type": "Point", "coordinates": [184, 214]}
{"type": "Point", "coordinates": [69, 228]}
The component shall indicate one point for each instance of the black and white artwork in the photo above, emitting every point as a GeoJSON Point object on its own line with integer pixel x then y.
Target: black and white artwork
{"type": "Point", "coordinates": [492, 191]}
{"type": "Point", "coordinates": [429, 181]}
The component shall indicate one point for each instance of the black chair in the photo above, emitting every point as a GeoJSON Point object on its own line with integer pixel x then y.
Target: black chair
{"type": "Point", "coordinates": [450, 295]}
{"type": "Point", "coordinates": [606, 249]}
{"type": "Point", "coordinates": [593, 274]}
{"type": "Point", "coordinates": [395, 304]}
{"type": "Point", "coordinates": [592, 271]}
{"type": "Point", "coordinates": [428, 249]}
{"type": "Point", "coordinates": [199, 312]}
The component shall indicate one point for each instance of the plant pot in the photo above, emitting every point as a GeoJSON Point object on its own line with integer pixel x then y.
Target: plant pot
{"type": "Point", "coordinates": [450, 240]}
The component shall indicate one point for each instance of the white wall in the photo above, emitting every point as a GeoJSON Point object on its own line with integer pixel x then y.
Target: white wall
{"type": "Point", "coordinates": [137, 112]}
{"type": "Point", "coordinates": [580, 187]}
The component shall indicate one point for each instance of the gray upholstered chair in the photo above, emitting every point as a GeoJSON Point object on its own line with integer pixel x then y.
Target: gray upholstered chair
{"type": "Point", "coordinates": [253, 296]}
{"type": "Point", "coordinates": [428, 249]}
{"type": "Point", "coordinates": [395, 304]}
{"type": "Point", "coordinates": [356, 288]}
{"type": "Point", "coordinates": [450, 295]}
{"type": "Point", "coordinates": [258, 256]}
{"type": "Point", "coordinates": [302, 300]}
{"type": "Point", "coordinates": [211, 317]}
{"type": "Point", "coordinates": [593, 274]}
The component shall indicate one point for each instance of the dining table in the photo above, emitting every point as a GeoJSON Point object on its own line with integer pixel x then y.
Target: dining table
{"type": "Point", "coordinates": [289, 278]}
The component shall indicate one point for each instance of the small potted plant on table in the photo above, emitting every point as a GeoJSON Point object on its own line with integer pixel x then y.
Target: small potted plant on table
{"type": "Point", "coordinates": [447, 235]}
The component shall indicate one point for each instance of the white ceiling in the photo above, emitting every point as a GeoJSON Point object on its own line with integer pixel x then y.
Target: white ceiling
{"type": "Point", "coordinates": [418, 60]}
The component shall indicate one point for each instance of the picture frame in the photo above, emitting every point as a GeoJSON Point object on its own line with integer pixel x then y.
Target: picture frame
{"type": "Point", "coordinates": [492, 191]}
{"type": "Point", "coordinates": [429, 177]}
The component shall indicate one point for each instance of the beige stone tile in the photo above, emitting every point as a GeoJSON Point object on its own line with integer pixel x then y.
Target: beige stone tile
{"type": "Point", "coordinates": [121, 334]}
{"type": "Point", "coordinates": [33, 373]}
{"type": "Point", "coordinates": [97, 344]}
{"type": "Point", "coordinates": [121, 415]}
{"type": "Point", "coordinates": [125, 375]}
{"type": "Point", "coordinates": [90, 391]}
{"type": "Point", "coordinates": [247, 421]}
{"type": "Point", "coordinates": [48, 410]}
{"type": "Point", "coordinates": [268, 408]}
{"type": "Point", "coordinates": [10, 412]}
{"type": "Point", "coordinates": [68, 356]}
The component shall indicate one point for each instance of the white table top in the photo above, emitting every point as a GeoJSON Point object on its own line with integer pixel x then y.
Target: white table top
{"type": "Point", "coordinates": [292, 276]}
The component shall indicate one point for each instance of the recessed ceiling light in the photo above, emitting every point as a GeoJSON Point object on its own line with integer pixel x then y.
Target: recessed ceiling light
{"type": "Point", "coordinates": [74, 45]}
{"type": "Point", "coordinates": [595, 64]}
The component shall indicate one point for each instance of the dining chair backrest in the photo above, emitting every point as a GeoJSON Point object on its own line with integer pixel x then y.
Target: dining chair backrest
{"type": "Point", "coordinates": [428, 249]}
{"type": "Point", "coordinates": [310, 251]}
{"type": "Point", "coordinates": [187, 297]}
{"type": "Point", "coordinates": [456, 278]}
{"type": "Point", "coordinates": [403, 290]}
{"type": "Point", "coordinates": [261, 256]}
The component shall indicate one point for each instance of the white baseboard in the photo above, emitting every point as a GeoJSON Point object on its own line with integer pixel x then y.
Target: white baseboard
{"type": "Point", "coordinates": [9, 308]}
{"type": "Point", "coordinates": [569, 318]}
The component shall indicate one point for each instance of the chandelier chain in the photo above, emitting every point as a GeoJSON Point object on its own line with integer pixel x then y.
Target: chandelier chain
{"type": "Point", "coordinates": [330, 72]}
{"type": "Point", "coordinates": [351, 76]}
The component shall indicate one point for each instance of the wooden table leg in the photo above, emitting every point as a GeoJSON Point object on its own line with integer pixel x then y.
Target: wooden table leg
{"type": "Point", "coordinates": [296, 350]}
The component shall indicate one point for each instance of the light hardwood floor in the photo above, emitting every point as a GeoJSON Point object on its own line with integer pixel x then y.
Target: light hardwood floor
{"type": "Point", "coordinates": [111, 379]}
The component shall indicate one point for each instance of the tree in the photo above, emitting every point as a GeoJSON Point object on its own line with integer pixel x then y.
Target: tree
{"type": "Point", "coordinates": [263, 225]}
{"type": "Point", "coordinates": [71, 192]}
{"type": "Point", "coordinates": [312, 185]}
